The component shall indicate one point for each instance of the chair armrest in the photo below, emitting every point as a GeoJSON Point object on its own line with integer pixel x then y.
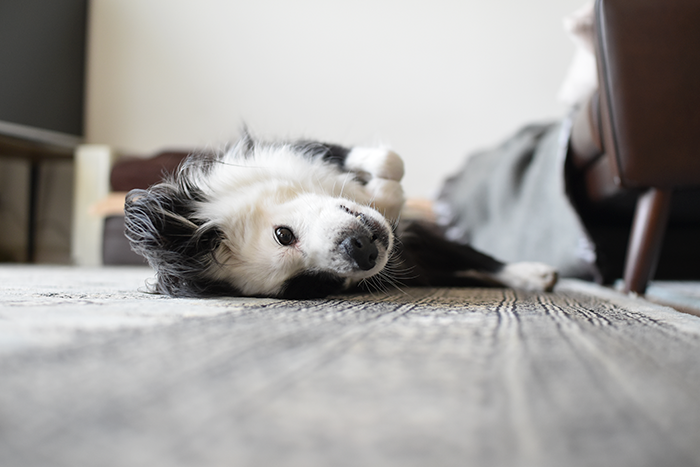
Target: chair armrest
{"type": "Point", "coordinates": [649, 74]}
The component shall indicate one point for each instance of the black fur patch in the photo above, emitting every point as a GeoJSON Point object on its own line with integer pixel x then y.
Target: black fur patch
{"type": "Point", "coordinates": [312, 284]}
{"type": "Point", "coordinates": [432, 260]}
{"type": "Point", "coordinates": [161, 226]}
{"type": "Point", "coordinates": [329, 153]}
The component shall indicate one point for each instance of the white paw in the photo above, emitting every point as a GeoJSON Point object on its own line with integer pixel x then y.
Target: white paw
{"type": "Point", "coordinates": [375, 162]}
{"type": "Point", "coordinates": [386, 196]}
{"type": "Point", "coordinates": [535, 277]}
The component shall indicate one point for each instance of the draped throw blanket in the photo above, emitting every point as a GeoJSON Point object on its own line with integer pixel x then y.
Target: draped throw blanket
{"type": "Point", "coordinates": [512, 203]}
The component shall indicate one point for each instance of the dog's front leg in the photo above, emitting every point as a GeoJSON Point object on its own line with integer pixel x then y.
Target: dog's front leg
{"type": "Point", "coordinates": [383, 170]}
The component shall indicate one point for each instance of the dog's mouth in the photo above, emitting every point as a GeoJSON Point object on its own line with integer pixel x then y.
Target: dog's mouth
{"type": "Point", "coordinates": [366, 242]}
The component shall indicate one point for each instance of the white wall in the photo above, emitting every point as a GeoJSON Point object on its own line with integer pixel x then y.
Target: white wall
{"type": "Point", "coordinates": [434, 79]}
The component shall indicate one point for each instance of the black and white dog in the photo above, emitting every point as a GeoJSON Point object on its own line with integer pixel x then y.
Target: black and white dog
{"type": "Point", "coordinates": [299, 220]}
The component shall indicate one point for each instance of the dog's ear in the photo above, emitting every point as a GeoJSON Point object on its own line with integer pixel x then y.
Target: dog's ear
{"type": "Point", "coordinates": [162, 226]}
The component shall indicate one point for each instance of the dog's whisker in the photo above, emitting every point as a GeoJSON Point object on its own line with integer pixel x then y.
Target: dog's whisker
{"type": "Point", "coordinates": [348, 175]}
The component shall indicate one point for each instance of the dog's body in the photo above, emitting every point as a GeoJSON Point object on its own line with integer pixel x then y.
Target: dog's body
{"type": "Point", "coordinates": [298, 220]}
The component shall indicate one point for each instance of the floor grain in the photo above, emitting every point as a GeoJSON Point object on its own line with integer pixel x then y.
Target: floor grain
{"type": "Point", "coordinates": [482, 377]}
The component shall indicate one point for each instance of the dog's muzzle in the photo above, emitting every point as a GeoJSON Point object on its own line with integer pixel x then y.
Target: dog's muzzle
{"type": "Point", "coordinates": [362, 249]}
{"type": "Point", "coordinates": [364, 241]}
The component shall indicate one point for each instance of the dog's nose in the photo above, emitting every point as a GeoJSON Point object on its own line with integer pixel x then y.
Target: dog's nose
{"type": "Point", "coordinates": [362, 249]}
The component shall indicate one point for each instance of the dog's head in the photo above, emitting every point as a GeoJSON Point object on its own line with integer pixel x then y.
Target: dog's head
{"type": "Point", "coordinates": [271, 224]}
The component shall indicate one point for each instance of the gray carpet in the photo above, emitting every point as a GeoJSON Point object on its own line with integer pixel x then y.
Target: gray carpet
{"type": "Point", "coordinates": [95, 373]}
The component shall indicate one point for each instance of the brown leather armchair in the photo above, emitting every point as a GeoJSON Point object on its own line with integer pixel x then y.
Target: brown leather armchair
{"type": "Point", "coordinates": [638, 137]}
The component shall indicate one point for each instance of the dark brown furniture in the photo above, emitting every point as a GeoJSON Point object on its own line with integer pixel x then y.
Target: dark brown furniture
{"type": "Point", "coordinates": [129, 173]}
{"type": "Point", "coordinates": [640, 134]}
{"type": "Point", "coordinates": [35, 154]}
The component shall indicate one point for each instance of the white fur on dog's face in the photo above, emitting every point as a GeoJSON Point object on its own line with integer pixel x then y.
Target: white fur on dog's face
{"type": "Point", "coordinates": [255, 262]}
{"type": "Point", "coordinates": [320, 205]}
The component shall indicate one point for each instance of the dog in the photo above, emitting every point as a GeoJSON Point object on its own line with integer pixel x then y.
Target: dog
{"type": "Point", "coordinates": [299, 219]}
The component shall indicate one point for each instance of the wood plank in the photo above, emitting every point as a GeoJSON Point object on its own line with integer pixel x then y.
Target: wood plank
{"type": "Point", "coordinates": [488, 377]}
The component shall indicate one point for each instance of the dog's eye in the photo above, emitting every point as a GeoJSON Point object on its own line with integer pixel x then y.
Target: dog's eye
{"type": "Point", "coordinates": [284, 236]}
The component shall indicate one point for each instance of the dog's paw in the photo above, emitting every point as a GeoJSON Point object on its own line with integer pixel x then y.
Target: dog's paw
{"type": "Point", "coordinates": [386, 196]}
{"type": "Point", "coordinates": [536, 277]}
{"type": "Point", "coordinates": [373, 163]}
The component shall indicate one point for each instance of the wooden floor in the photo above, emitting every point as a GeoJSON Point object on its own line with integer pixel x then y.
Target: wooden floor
{"type": "Point", "coordinates": [464, 377]}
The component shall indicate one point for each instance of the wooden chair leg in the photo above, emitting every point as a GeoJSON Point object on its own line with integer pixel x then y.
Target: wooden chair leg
{"type": "Point", "coordinates": [650, 219]}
